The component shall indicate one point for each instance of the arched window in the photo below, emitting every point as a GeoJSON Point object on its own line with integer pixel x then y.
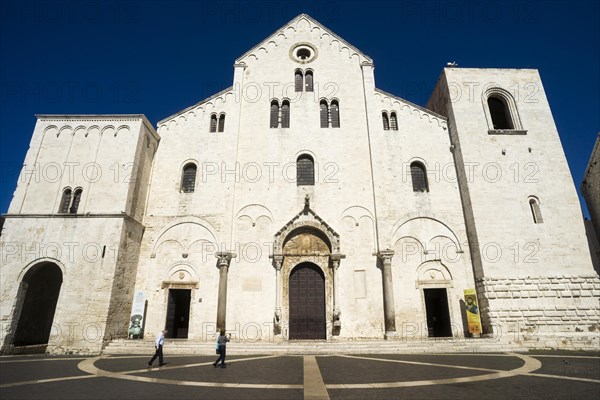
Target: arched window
{"type": "Point", "coordinates": [76, 200]}
{"type": "Point", "coordinates": [534, 205]}
{"type": "Point", "coordinates": [274, 117]}
{"type": "Point", "coordinates": [335, 114]}
{"type": "Point", "coordinates": [188, 178]}
{"type": "Point", "coordinates": [305, 170]}
{"type": "Point", "coordinates": [309, 81]}
{"type": "Point", "coordinates": [393, 121]}
{"type": "Point", "coordinates": [65, 201]}
{"type": "Point", "coordinates": [499, 113]}
{"type": "Point", "coordinates": [386, 122]}
{"type": "Point", "coordinates": [418, 174]}
{"type": "Point", "coordinates": [221, 122]}
{"type": "Point", "coordinates": [298, 80]}
{"type": "Point", "coordinates": [324, 113]}
{"type": "Point", "coordinates": [213, 123]}
{"type": "Point", "coordinates": [285, 114]}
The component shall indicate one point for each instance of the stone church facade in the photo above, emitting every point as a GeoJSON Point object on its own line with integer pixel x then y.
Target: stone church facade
{"type": "Point", "coordinates": [303, 203]}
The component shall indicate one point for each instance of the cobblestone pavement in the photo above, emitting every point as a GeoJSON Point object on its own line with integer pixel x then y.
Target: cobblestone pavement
{"type": "Point", "coordinates": [533, 375]}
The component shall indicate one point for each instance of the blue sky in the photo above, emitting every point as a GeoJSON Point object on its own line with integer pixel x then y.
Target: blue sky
{"type": "Point", "coordinates": [156, 58]}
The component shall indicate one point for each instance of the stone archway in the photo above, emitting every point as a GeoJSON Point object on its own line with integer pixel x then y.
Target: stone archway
{"type": "Point", "coordinates": [306, 240]}
{"type": "Point", "coordinates": [306, 256]}
{"type": "Point", "coordinates": [39, 292]}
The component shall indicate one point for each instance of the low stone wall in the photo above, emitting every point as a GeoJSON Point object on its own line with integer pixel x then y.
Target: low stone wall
{"type": "Point", "coordinates": [545, 312]}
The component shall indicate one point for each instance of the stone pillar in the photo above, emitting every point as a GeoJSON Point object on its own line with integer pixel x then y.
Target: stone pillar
{"type": "Point", "coordinates": [277, 263]}
{"type": "Point", "coordinates": [223, 265]}
{"type": "Point", "coordinates": [337, 312]}
{"type": "Point", "coordinates": [389, 308]}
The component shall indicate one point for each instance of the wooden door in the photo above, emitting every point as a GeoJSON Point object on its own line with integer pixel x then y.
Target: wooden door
{"type": "Point", "coordinates": [307, 303]}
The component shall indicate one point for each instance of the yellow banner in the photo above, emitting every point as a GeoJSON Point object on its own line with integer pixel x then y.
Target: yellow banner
{"type": "Point", "coordinates": [472, 308]}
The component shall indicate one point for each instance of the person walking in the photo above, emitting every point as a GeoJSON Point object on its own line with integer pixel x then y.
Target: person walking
{"type": "Point", "coordinates": [158, 344]}
{"type": "Point", "coordinates": [222, 343]}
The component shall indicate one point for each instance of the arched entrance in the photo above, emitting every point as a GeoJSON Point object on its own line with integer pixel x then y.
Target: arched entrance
{"type": "Point", "coordinates": [435, 280]}
{"type": "Point", "coordinates": [40, 288]}
{"type": "Point", "coordinates": [306, 250]}
{"type": "Point", "coordinates": [307, 302]}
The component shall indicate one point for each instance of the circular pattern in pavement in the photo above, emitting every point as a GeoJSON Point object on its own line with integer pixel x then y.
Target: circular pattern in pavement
{"type": "Point", "coordinates": [530, 364]}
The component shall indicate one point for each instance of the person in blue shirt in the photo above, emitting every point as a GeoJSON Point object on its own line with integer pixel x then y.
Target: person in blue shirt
{"type": "Point", "coordinates": [222, 343]}
{"type": "Point", "coordinates": [158, 344]}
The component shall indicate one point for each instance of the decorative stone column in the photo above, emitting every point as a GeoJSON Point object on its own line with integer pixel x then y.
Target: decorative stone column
{"type": "Point", "coordinates": [337, 312]}
{"type": "Point", "coordinates": [223, 265]}
{"type": "Point", "coordinates": [389, 308]}
{"type": "Point", "coordinates": [277, 263]}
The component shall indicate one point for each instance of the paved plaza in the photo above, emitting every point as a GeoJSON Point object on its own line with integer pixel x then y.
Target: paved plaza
{"type": "Point", "coordinates": [533, 375]}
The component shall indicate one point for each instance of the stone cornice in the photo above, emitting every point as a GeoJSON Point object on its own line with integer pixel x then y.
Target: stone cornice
{"type": "Point", "coordinates": [100, 118]}
{"type": "Point", "coordinates": [71, 216]}
{"type": "Point", "coordinates": [90, 117]}
{"type": "Point", "coordinates": [507, 132]}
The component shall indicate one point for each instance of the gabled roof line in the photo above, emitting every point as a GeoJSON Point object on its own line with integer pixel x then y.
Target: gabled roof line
{"type": "Point", "coordinates": [306, 210]}
{"type": "Point", "coordinates": [194, 105]}
{"type": "Point", "coordinates": [314, 21]}
{"type": "Point", "coordinates": [428, 111]}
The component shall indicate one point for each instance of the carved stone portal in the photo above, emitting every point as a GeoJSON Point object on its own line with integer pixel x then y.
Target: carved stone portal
{"type": "Point", "coordinates": [306, 239]}
{"type": "Point", "coordinates": [304, 246]}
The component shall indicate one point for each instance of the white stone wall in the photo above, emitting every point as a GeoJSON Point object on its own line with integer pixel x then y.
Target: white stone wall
{"type": "Point", "coordinates": [97, 248]}
{"type": "Point", "coordinates": [529, 309]}
{"type": "Point", "coordinates": [80, 321]}
{"type": "Point", "coordinates": [265, 196]}
{"type": "Point", "coordinates": [499, 172]}
{"type": "Point", "coordinates": [257, 201]}
{"type": "Point", "coordinates": [509, 168]}
{"type": "Point", "coordinates": [161, 260]}
{"type": "Point", "coordinates": [95, 153]}
{"type": "Point", "coordinates": [425, 229]}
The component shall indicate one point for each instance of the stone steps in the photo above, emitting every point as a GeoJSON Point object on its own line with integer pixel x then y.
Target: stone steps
{"type": "Point", "coordinates": [183, 346]}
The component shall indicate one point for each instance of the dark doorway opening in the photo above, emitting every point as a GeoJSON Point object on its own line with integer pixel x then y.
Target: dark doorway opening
{"type": "Point", "coordinates": [307, 302]}
{"type": "Point", "coordinates": [438, 315]}
{"type": "Point", "coordinates": [41, 287]}
{"type": "Point", "coordinates": [178, 313]}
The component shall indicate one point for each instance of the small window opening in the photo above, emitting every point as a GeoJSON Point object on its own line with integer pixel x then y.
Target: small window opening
{"type": "Point", "coordinates": [419, 177]}
{"type": "Point", "coordinates": [213, 123]}
{"type": "Point", "coordinates": [188, 179]}
{"type": "Point", "coordinates": [386, 122]}
{"type": "Point", "coordinates": [536, 212]}
{"type": "Point", "coordinates": [499, 113]}
{"type": "Point", "coordinates": [305, 171]}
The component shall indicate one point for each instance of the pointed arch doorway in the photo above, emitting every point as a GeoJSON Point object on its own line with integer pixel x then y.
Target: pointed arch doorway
{"type": "Point", "coordinates": [307, 303]}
